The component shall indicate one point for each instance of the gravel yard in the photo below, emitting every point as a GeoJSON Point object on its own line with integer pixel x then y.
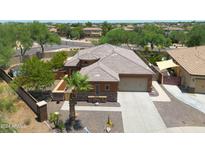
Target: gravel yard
{"type": "Point", "coordinates": [95, 121]}
{"type": "Point", "coordinates": [23, 119]}
{"type": "Point", "coordinates": [178, 114]}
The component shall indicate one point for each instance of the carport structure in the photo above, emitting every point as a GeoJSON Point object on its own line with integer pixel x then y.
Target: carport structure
{"type": "Point", "coordinates": [169, 71]}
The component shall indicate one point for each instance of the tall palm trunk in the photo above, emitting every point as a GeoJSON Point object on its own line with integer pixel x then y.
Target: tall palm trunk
{"type": "Point", "coordinates": [72, 104]}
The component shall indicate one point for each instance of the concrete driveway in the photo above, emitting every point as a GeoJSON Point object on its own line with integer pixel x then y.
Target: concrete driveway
{"type": "Point", "coordinates": [162, 97]}
{"type": "Point", "coordinates": [139, 114]}
{"type": "Point", "coordinates": [176, 92]}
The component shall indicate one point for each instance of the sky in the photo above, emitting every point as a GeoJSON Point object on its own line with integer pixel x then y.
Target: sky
{"type": "Point", "coordinates": [100, 21]}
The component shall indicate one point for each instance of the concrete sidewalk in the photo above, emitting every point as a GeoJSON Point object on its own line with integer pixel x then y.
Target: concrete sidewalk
{"type": "Point", "coordinates": [65, 107]}
{"type": "Point", "coordinates": [163, 97]}
{"type": "Point", "coordinates": [176, 92]}
{"type": "Point", "coordinates": [139, 114]}
{"type": "Point", "coordinates": [187, 129]}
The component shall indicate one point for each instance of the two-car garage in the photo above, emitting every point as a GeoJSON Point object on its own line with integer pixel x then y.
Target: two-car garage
{"type": "Point", "coordinates": [200, 86]}
{"type": "Point", "coordinates": [135, 84]}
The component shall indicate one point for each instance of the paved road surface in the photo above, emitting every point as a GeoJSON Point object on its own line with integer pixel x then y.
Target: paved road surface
{"type": "Point", "coordinates": [64, 44]}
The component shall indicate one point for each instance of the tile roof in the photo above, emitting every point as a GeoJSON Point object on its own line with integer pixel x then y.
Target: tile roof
{"type": "Point", "coordinates": [100, 72]}
{"type": "Point", "coordinates": [92, 28]}
{"type": "Point", "coordinates": [112, 62]}
{"type": "Point", "coordinates": [191, 59]}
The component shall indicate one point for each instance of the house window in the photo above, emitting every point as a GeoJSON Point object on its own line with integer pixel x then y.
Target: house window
{"type": "Point", "coordinates": [107, 87]}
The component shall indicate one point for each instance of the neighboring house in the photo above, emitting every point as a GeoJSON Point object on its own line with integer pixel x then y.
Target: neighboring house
{"type": "Point", "coordinates": [129, 28]}
{"type": "Point", "coordinates": [110, 69]}
{"type": "Point", "coordinates": [168, 30]}
{"type": "Point", "coordinates": [52, 28]}
{"type": "Point", "coordinates": [92, 31]}
{"type": "Point", "coordinates": [191, 63]}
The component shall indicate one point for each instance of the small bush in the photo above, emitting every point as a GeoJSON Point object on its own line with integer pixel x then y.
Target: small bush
{"type": "Point", "coordinates": [146, 48]}
{"type": "Point", "coordinates": [54, 118]}
{"type": "Point", "coordinates": [7, 105]}
{"type": "Point", "coordinates": [60, 126]}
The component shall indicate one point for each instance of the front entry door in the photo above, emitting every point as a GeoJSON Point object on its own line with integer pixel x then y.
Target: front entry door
{"type": "Point", "coordinates": [97, 89]}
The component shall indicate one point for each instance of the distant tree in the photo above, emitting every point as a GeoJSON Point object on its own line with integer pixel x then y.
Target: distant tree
{"type": "Point", "coordinates": [196, 36]}
{"type": "Point", "coordinates": [138, 29]}
{"type": "Point", "coordinates": [7, 43]}
{"type": "Point", "coordinates": [64, 30]}
{"type": "Point", "coordinates": [42, 35]}
{"type": "Point", "coordinates": [77, 33]}
{"type": "Point", "coordinates": [6, 53]}
{"type": "Point", "coordinates": [178, 37]}
{"type": "Point", "coordinates": [24, 40]}
{"type": "Point", "coordinates": [76, 24]}
{"type": "Point", "coordinates": [57, 61]}
{"type": "Point", "coordinates": [106, 27]}
{"type": "Point", "coordinates": [154, 35]}
{"type": "Point", "coordinates": [34, 75]}
{"type": "Point", "coordinates": [88, 24]}
{"type": "Point", "coordinates": [120, 36]}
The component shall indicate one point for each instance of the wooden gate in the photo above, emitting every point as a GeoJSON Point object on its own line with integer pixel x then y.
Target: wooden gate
{"type": "Point", "coordinates": [173, 80]}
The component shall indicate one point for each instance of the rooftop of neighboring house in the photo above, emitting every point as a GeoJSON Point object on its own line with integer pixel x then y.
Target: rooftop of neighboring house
{"type": "Point", "coordinates": [92, 29]}
{"type": "Point", "coordinates": [112, 61]}
{"type": "Point", "coordinates": [191, 59]}
{"type": "Point", "coordinates": [173, 28]}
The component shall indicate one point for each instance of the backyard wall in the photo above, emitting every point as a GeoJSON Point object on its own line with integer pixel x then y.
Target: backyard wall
{"type": "Point", "coordinates": [39, 108]}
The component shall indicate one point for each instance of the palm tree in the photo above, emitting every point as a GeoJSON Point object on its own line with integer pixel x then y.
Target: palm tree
{"type": "Point", "coordinates": [76, 83]}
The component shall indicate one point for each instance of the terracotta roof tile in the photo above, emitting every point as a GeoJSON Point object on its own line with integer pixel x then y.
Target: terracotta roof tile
{"type": "Point", "coordinates": [191, 59]}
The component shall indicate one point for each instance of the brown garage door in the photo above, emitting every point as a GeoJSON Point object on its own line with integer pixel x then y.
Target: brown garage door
{"type": "Point", "coordinates": [200, 86]}
{"type": "Point", "coordinates": [132, 84]}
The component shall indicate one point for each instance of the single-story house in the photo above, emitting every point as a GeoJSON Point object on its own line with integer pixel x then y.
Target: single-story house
{"type": "Point", "coordinates": [110, 69]}
{"type": "Point", "coordinates": [191, 63]}
{"type": "Point", "coordinates": [92, 31]}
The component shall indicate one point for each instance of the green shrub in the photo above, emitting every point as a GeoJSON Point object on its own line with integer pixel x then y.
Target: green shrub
{"type": "Point", "coordinates": [7, 105]}
{"type": "Point", "coordinates": [60, 125]}
{"type": "Point", "coordinates": [35, 75]}
{"type": "Point", "coordinates": [54, 118]}
{"type": "Point", "coordinates": [58, 59]}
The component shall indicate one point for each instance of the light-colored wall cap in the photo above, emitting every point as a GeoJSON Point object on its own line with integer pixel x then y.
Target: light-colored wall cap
{"type": "Point", "coordinates": [41, 103]}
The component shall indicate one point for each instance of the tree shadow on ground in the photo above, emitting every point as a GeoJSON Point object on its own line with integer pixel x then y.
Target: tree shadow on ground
{"type": "Point", "coordinates": [73, 125]}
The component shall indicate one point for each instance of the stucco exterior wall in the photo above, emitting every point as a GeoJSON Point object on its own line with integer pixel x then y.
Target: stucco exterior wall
{"type": "Point", "coordinates": [189, 81]}
{"type": "Point", "coordinates": [111, 93]}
